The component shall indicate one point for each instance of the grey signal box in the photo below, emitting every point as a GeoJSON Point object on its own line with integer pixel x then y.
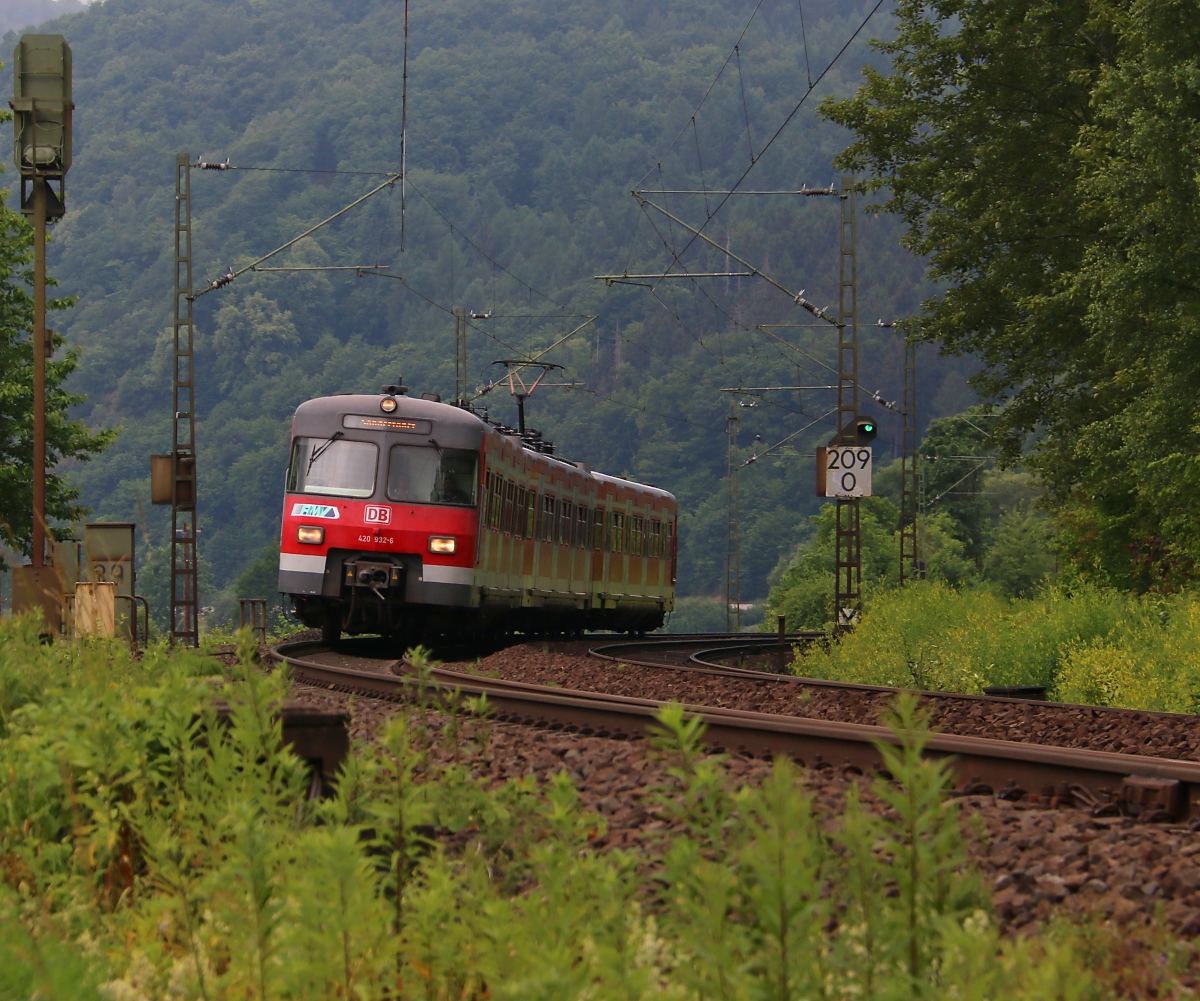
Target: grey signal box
{"type": "Point", "coordinates": [42, 108]}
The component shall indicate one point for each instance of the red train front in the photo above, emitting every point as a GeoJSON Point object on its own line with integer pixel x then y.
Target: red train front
{"type": "Point", "coordinates": [401, 517]}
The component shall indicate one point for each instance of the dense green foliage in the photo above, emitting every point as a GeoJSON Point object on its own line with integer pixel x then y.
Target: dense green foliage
{"type": "Point", "coordinates": [982, 528]}
{"type": "Point", "coordinates": [1042, 155]}
{"type": "Point", "coordinates": [66, 438]}
{"type": "Point", "coordinates": [1085, 644]}
{"type": "Point", "coordinates": [527, 127]}
{"type": "Point", "coordinates": [148, 852]}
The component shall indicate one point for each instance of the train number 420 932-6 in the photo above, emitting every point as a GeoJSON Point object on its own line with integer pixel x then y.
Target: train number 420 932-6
{"type": "Point", "coordinates": [844, 471]}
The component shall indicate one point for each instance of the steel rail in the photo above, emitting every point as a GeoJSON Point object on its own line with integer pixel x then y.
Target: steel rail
{"type": "Point", "coordinates": [698, 664]}
{"type": "Point", "coordinates": [1043, 773]}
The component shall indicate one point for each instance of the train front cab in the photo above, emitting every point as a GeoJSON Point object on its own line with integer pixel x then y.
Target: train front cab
{"type": "Point", "coordinates": [381, 516]}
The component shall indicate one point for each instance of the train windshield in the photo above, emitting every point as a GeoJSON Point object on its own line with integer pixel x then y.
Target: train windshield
{"type": "Point", "coordinates": [333, 466]}
{"type": "Point", "coordinates": [430, 475]}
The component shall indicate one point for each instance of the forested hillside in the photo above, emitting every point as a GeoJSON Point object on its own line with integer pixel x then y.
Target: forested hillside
{"type": "Point", "coordinates": [527, 126]}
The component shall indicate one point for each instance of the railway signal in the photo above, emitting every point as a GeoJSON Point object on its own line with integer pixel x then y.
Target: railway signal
{"type": "Point", "coordinates": [42, 108]}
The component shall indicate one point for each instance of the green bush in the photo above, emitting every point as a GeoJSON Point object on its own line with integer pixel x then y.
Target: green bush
{"type": "Point", "coordinates": [1084, 643]}
{"type": "Point", "coordinates": [147, 851]}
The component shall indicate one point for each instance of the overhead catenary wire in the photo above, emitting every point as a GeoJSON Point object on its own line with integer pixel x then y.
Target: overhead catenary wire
{"type": "Point", "coordinates": [404, 128]}
{"type": "Point", "coordinates": [479, 250]}
{"type": "Point", "coordinates": [698, 233]}
{"type": "Point", "coordinates": [305, 170]}
{"type": "Point", "coordinates": [707, 93]}
{"type": "Point", "coordinates": [818, 420]}
{"type": "Point", "coordinates": [804, 37]}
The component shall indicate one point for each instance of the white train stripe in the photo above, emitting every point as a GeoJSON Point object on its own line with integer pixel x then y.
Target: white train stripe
{"type": "Point", "coordinates": [447, 575]}
{"type": "Point", "coordinates": [301, 564]}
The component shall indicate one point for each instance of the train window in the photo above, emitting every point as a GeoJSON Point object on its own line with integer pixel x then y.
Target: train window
{"type": "Point", "coordinates": [546, 525]}
{"type": "Point", "coordinates": [566, 518]}
{"type": "Point", "coordinates": [428, 475]}
{"type": "Point", "coordinates": [655, 540]}
{"type": "Point", "coordinates": [495, 499]}
{"type": "Point", "coordinates": [582, 526]}
{"type": "Point", "coordinates": [333, 466]}
{"type": "Point", "coordinates": [530, 513]}
{"type": "Point", "coordinates": [616, 532]}
{"type": "Point", "coordinates": [636, 533]}
{"type": "Point", "coordinates": [510, 490]}
{"type": "Point", "coordinates": [598, 529]}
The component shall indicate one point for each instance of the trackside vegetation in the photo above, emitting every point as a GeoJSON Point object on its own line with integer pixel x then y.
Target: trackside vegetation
{"type": "Point", "coordinates": [1085, 643]}
{"type": "Point", "coordinates": [146, 852]}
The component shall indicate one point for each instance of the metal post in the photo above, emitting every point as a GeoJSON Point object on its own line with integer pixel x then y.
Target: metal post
{"type": "Point", "coordinates": [910, 563]}
{"type": "Point", "coordinates": [39, 371]}
{"type": "Point", "coordinates": [185, 596]}
{"type": "Point", "coordinates": [733, 569]}
{"type": "Point", "coordinates": [847, 594]}
{"type": "Point", "coordinates": [460, 356]}
{"type": "Point", "coordinates": [252, 612]}
{"type": "Point", "coordinates": [781, 623]}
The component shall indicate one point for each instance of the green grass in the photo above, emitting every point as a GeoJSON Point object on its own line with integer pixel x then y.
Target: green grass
{"type": "Point", "coordinates": [148, 852]}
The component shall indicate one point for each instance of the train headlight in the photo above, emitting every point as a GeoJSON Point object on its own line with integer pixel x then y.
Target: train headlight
{"type": "Point", "coordinates": [444, 544]}
{"type": "Point", "coordinates": [387, 404]}
{"type": "Point", "coordinates": [314, 535]}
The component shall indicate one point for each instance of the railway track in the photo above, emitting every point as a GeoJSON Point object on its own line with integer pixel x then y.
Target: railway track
{"type": "Point", "coordinates": [1152, 787]}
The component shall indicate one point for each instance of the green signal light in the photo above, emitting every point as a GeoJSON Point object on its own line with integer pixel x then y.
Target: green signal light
{"type": "Point", "coordinates": [868, 427]}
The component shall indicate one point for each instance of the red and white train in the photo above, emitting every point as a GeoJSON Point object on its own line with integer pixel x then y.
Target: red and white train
{"type": "Point", "coordinates": [419, 520]}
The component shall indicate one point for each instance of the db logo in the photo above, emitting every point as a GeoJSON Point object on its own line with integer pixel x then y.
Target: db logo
{"type": "Point", "coordinates": [378, 515]}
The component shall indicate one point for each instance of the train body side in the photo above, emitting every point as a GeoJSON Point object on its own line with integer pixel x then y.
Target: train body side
{"type": "Point", "coordinates": [424, 521]}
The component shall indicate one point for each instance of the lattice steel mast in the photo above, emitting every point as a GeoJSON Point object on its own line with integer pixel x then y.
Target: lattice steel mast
{"type": "Point", "coordinates": [460, 356]}
{"type": "Point", "coordinates": [185, 591]}
{"type": "Point", "coordinates": [910, 552]}
{"type": "Point", "coordinates": [733, 559]}
{"type": "Point", "coordinates": [848, 569]}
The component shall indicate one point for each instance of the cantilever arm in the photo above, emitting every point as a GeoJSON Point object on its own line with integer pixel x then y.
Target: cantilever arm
{"type": "Point", "coordinates": [226, 279]}
{"type": "Point", "coordinates": [796, 297]}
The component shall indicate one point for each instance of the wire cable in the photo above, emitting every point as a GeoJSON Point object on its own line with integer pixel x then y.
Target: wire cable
{"type": "Point", "coordinates": [404, 128]}
{"type": "Point", "coordinates": [716, 79]}
{"type": "Point", "coordinates": [483, 253]}
{"type": "Point", "coordinates": [312, 170]}
{"type": "Point", "coordinates": [779, 131]}
{"type": "Point", "coordinates": [804, 36]}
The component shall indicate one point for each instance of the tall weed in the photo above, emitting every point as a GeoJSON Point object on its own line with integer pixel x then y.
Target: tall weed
{"type": "Point", "coordinates": [149, 850]}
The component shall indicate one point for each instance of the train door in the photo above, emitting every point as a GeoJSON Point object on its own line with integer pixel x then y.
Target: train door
{"type": "Point", "coordinates": [599, 570]}
{"type": "Point", "coordinates": [529, 532]}
{"type": "Point", "coordinates": [618, 527]}
{"type": "Point", "coordinates": [580, 577]}
{"type": "Point", "coordinates": [565, 569]}
{"type": "Point", "coordinates": [637, 540]}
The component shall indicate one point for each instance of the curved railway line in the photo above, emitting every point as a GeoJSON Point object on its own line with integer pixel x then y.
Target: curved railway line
{"type": "Point", "coordinates": [1154, 787]}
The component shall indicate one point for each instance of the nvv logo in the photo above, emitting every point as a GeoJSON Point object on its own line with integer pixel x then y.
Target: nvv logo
{"type": "Point", "coordinates": [315, 511]}
{"type": "Point", "coordinates": [375, 514]}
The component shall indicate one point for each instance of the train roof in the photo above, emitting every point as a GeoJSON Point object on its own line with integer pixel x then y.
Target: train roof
{"type": "Point", "coordinates": [332, 407]}
{"type": "Point", "coordinates": [317, 415]}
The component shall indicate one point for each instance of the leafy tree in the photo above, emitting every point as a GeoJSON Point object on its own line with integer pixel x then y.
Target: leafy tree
{"type": "Point", "coordinates": [65, 438]}
{"type": "Point", "coordinates": [1019, 557]}
{"type": "Point", "coordinates": [1042, 157]}
{"type": "Point", "coordinates": [956, 453]}
{"type": "Point", "coordinates": [943, 552]}
{"type": "Point", "coordinates": [805, 589]}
